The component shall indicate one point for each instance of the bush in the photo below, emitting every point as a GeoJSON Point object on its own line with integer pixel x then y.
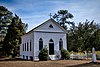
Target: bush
{"type": "Point", "coordinates": [43, 55]}
{"type": "Point", "coordinates": [65, 54]}
{"type": "Point", "coordinates": [98, 55]}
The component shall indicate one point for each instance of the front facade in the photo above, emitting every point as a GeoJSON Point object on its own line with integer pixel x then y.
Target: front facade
{"type": "Point", "coordinates": [49, 34]}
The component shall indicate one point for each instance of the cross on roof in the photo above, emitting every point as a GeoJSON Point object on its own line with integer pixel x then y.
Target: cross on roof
{"type": "Point", "coordinates": [50, 15]}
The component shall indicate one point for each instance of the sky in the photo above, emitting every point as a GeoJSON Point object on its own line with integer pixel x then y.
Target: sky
{"type": "Point", "coordinates": [35, 12]}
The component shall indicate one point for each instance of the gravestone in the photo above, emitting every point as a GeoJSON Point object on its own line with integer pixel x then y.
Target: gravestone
{"type": "Point", "coordinates": [93, 55]}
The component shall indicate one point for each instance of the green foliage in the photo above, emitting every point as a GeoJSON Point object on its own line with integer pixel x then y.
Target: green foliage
{"type": "Point", "coordinates": [84, 36]}
{"type": "Point", "coordinates": [65, 54]}
{"type": "Point", "coordinates": [11, 30]}
{"type": "Point", "coordinates": [13, 36]}
{"type": "Point", "coordinates": [5, 20]}
{"type": "Point", "coordinates": [61, 17]}
{"type": "Point", "coordinates": [43, 55]}
{"type": "Point", "coordinates": [98, 52]}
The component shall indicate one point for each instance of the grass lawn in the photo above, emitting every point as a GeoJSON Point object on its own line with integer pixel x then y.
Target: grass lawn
{"type": "Point", "coordinates": [59, 63]}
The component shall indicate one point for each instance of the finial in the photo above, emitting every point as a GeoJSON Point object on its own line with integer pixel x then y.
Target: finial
{"type": "Point", "coordinates": [50, 15]}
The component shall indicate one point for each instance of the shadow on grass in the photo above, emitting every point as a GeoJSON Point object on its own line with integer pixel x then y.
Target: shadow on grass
{"type": "Point", "coordinates": [91, 64]}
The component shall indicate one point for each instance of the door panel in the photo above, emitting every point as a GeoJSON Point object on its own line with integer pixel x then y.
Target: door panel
{"type": "Point", "coordinates": [51, 48]}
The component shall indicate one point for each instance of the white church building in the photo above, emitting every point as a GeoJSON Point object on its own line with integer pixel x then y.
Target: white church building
{"type": "Point", "coordinates": [49, 34]}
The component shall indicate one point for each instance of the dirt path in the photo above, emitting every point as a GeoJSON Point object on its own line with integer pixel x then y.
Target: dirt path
{"type": "Point", "coordinates": [6, 62]}
{"type": "Point", "coordinates": [60, 63]}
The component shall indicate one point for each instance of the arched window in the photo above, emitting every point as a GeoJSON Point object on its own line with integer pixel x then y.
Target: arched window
{"type": "Point", "coordinates": [27, 47]}
{"type": "Point", "coordinates": [23, 47]}
{"type": "Point", "coordinates": [30, 45]}
{"type": "Point", "coordinates": [60, 44]}
{"type": "Point", "coordinates": [51, 41]}
{"type": "Point", "coordinates": [40, 43]}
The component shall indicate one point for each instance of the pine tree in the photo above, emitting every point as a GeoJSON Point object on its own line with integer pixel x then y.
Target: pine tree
{"type": "Point", "coordinates": [13, 37]}
{"type": "Point", "coordinates": [5, 20]}
{"type": "Point", "coordinates": [62, 17]}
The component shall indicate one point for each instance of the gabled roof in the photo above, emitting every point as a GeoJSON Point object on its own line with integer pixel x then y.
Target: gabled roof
{"type": "Point", "coordinates": [46, 22]}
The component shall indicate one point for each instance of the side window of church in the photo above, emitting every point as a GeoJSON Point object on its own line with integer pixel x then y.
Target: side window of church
{"type": "Point", "coordinates": [60, 44]}
{"type": "Point", "coordinates": [23, 47]}
{"type": "Point", "coordinates": [30, 45]}
{"type": "Point", "coordinates": [27, 46]}
{"type": "Point", "coordinates": [40, 43]}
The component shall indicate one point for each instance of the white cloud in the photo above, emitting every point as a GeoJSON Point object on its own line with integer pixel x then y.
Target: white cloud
{"type": "Point", "coordinates": [32, 11]}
